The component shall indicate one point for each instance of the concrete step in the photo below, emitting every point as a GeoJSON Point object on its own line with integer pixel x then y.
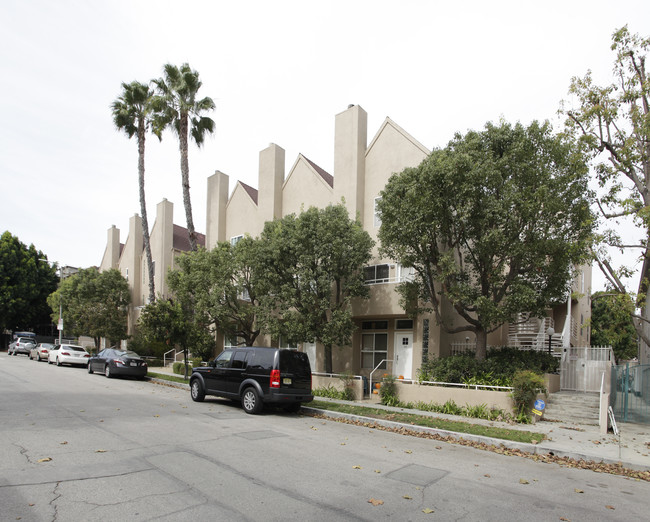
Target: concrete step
{"type": "Point", "coordinates": [573, 407]}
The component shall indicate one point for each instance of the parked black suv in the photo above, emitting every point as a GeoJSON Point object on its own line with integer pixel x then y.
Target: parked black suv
{"type": "Point", "coordinates": [256, 376]}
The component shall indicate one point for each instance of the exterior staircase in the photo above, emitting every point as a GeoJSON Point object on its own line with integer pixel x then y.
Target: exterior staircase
{"type": "Point", "coordinates": [571, 407]}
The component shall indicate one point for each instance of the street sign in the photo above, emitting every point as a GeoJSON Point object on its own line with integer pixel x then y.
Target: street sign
{"type": "Point", "coordinates": [539, 404]}
{"type": "Point", "coordinates": [60, 325]}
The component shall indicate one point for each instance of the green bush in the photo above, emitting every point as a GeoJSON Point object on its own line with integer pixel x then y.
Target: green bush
{"type": "Point", "coordinates": [388, 391]}
{"type": "Point", "coordinates": [497, 369]}
{"type": "Point", "coordinates": [179, 368]}
{"type": "Point", "coordinates": [527, 385]}
{"type": "Point", "coordinates": [332, 393]}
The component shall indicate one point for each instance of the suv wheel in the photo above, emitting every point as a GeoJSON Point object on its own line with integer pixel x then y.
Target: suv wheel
{"type": "Point", "coordinates": [196, 391]}
{"type": "Point", "coordinates": [250, 401]}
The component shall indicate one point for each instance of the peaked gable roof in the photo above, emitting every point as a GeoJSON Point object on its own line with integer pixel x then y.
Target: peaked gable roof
{"type": "Point", "coordinates": [181, 241]}
{"type": "Point", "coordinates": [329, 179]}
{"type": "Point", "coordinates": [249, 190]}
{"type": "Point", "coordinates": [390, 123]}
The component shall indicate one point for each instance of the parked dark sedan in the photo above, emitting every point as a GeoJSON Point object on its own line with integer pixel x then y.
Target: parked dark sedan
{"type": "Point", "coordinates": [112, 362]}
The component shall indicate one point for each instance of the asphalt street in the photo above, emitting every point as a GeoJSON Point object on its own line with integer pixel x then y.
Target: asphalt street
{"type": "Point", "coordinates": [76, 446]}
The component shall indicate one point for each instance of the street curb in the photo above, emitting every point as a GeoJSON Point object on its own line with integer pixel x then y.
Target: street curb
{"type": "Point", "coordinates": [533, 449]}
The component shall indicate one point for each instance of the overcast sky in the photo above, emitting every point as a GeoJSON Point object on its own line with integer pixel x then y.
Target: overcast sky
{"type": "Point", "coordinates": [278, 72]}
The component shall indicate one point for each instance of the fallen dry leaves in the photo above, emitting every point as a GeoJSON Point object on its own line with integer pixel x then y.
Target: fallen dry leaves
{"type": "Point", "coordinates": [568, 462]}
{"type": "Point", "coordinates": [375, 502]}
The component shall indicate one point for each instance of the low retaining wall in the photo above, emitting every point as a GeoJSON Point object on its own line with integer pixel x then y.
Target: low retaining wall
{"type": "Point", "coordinates": [414, 392]}
{"type": "Point", "coordinates": [322, 381]}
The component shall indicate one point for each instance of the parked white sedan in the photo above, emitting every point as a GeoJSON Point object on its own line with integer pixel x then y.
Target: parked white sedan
{"type": "Point", "coordinates": [68, 354]}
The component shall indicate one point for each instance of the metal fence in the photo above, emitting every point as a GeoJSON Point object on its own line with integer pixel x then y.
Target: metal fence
{"type": "Point", "coordinates": [630, 393]}
{"type": "Point", "coordinates": [581, 367]}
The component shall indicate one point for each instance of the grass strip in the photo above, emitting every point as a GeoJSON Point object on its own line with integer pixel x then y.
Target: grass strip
{"type": "Point", "coordinates": [167, 377]}
{"type": "Point", "coordinates": [432, 422]}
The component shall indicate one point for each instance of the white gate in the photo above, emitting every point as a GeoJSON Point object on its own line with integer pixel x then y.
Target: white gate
{"type": "Point", "coordinates": [581, 367]}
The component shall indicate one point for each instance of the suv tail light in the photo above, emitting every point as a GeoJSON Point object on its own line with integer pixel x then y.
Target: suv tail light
{"type": "Point", "coordinates": [275, 379]}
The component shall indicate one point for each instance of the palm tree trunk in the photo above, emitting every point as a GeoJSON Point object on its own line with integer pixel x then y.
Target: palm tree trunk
{"type": "Point", "coordinates": [143, 210]}
{"type": "Point", "coordinates": [185, 176]}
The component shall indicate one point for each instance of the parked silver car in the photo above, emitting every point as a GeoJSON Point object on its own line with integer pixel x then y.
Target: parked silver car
{"type": "Point", "coordinates": [40, 351]}
{"type": "Point", "coordinates": [21, 345]}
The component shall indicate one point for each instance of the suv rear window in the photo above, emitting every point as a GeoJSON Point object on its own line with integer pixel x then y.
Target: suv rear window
{"type": "Point", "coordinates": [294, 362]}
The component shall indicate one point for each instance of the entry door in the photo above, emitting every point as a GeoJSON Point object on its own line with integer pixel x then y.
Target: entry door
{"type": "Point", "coordinates": [403, 354]}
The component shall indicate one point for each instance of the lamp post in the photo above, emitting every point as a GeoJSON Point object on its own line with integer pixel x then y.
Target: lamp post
{"type": "Point", "coordinates": [550, 332]}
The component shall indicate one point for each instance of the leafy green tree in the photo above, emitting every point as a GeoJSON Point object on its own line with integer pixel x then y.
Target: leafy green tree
{"type": "Point", "coordinates": [132, 113]}
{"type": "Point", "coordinates": [493, 224]}
{"type": "Point", "coordinates": [169, 322]}
{"type": "Point", "coordinates": [26, 279]}
{"type": "Point", "coordinates": [94, 304]}
{"type": "Point", "coordinates": [313, 264]}
{"type": "Point", "coordinates": [177, 107]}
{"type": "Point", "coordinates": [612, 325]}
{"type": "Point", "coordinates": [223, 285]}
{"type": "Point", "coordinates": [613, 124]}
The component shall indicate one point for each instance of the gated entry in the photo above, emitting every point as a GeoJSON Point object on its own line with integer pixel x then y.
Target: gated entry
{"type": "Point", "coordinates": [581, 367]}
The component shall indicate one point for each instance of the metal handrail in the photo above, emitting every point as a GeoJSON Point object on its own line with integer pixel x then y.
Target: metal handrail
{"type": "Point", "coordinates": [165, 356]}
{"type": "Point", "coordinates": [373, 371]}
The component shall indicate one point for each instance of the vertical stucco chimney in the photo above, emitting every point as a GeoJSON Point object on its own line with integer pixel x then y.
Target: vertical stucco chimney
{"type": "Point", "coordinates": [271, 177]}
{"type": "Point", "coordinates": [215, 230]}
{"type": "Point", "coordinates": [350, 141]}
{"type": "Point", "coordinates": [112, 257]}
{"type": "Point", "coordinates": [163, 253]}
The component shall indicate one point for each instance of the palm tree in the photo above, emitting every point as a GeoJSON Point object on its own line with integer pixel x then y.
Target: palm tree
{"type": "Point", "coordinates": [132, 113]}
{"type": "Point", "coordinates": [176, 106]}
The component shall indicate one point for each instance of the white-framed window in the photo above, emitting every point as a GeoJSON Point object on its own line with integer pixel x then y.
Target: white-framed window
{"type": "Point", "coordinates": [284, 343]}
{"type": "Point", "coordinates": [376, 274]}
{"type": "Point", "coordinates": [404, 324]}
{"type": "Point", "coordinates": [377, 218]}
{"type": "Point", "coordinates": [374, 344]}
{"type": "Point", "coordinates": [230, 342]}
{"type": "Point", "coordinates": [235, 239]}
{"type": "Point", "coordinates": [127, 273]}
{"type": "Point", "coordinates": [405, 273]}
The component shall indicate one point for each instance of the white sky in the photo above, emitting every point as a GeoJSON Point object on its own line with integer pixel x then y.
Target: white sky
{"type": "Point", "coordinates": [278, 72]}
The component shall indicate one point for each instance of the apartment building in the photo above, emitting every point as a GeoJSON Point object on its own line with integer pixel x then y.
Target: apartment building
{"type": "Point", "coordinates": [361, 171]}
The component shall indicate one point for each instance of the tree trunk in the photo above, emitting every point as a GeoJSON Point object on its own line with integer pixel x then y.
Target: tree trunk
{"type": "Point", "coordinates": [185, 176]}
{"type": "Point", "coordinates": [481, 344]}
{"type": "Point", "coordinates": [328, 358]}
{"type": "Point", "coordinates": [143, 210]}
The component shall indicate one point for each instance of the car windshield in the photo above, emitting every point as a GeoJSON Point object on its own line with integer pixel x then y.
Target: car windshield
{"type": "Point", "coordinates": [47, 345]}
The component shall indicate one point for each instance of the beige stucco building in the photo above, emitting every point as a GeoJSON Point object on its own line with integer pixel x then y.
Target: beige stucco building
{"type": "Point", "coordinates": [361, 170]}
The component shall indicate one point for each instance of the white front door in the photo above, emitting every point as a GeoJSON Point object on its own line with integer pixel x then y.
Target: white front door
{"type": "Point", "coordinates": [403, 354]}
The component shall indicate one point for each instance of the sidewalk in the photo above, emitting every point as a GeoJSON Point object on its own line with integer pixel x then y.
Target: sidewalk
{"type": "Point", "coordinates": [576, 441]}
{"type": "Point", "coordinates": [563, 439]}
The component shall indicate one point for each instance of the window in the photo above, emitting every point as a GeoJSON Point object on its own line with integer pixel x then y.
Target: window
{"type": "Point", "coordinates": [404, 324]}
{"type": "Point", "coordinates": [284, 343]}
{"type": "Point", "coordinates": [376, 274]}
{"type": "Point", "coordinates": [127, 274]}
{"type": "Point", "coordinates": [230, 342]}
{"type": "Point", "coordinates": [223, 360]}
{"type": "Point", "coordinates": [239, 359]}
{"type": "Point", "coordinates": [374, 349]}
{"type": "Point", "coordinates": [235, 239]}
{"type": "Point", "coordinates": [405, 273]}
{"type": "Point", "coordinates": [377, 220]}
{"type": "Point", "coordinates": [374, 325]}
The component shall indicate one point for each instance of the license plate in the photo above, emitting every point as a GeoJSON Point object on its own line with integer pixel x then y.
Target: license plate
{"type": "Point", "coordinates": [134, 364]}
{"type": "Point", "coordinates": [286, 380]}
